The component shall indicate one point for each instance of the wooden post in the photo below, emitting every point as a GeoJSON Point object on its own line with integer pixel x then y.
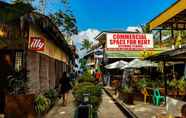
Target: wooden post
{"type": "Point", "coordinates": [172, 36]}
{"type": "Point", "coordinates": [165, 80]}
{"type": "Point", "coordinates": [160, 38]}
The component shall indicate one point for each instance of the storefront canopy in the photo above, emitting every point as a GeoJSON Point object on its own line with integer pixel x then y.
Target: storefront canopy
{"type": "Point", "coordinates": [133, 54]}
{"type": "Point", "coordinates": [171, 55]}
{"type": "Point", "coordinates": [137, 63]}
{"type": "Point", "coordinates": [116, 65]}
{"type": "Point", "coordinates": [172, 18]}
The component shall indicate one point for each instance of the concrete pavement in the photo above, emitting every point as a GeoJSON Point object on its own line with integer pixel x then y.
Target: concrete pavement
{"type": "Point", "coordinates": [107, 109]}
{"type": "Point", "coordinates": [59, 111]}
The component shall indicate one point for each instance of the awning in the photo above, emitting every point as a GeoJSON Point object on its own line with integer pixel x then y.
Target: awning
{"type": "Point", "coordinates": [170, 55]}
{"type": "Point", "coordinates": [173, 17]}
{"type": "Point", "coordinates": [133, 54]}
{"type": "Point", "coordinates": [116, 65]}
{"type": "Point", "coordinates": [137, 63]}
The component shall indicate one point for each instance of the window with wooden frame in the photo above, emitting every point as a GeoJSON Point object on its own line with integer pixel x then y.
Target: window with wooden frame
{"type": "Point", "coordinates": [19, 60]}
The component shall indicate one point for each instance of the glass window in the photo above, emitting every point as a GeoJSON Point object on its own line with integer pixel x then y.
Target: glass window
{"type": "Point", "coordinates": [19, 61]}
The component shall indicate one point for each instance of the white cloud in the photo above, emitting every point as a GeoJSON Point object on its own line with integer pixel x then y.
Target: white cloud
{"type": "Point", "coordinates": [133, 29]}
{"type": "Point", "coordinates": [89, 34]}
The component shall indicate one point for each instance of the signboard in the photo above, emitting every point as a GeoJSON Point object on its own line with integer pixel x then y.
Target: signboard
{"type": "Point", "coordinates": [98, 53]}
{"type": "Point", "coordinates": [128, 41]}
{"type": "Point", "coordinates": [37, 43]}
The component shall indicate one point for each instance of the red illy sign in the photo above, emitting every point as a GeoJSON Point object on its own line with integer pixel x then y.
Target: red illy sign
{"type": "Point", "coordinates": [37, 44]}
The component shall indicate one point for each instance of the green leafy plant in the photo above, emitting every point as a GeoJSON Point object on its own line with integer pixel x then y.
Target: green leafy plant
{"type": "Point", "coordinates": [52, 95]}
{"type": "Point", "coordinates": [86, 77]}
{"type": "Point", "coordinates": [142, 83]}
{"type": "Point", "coordinates": [181, 85]}
{"type": "Point", "coordinates": [94, 91]}
{"type": "Point", "coordinates": [127, 94]}
{"type": "Point", "coordinates": [41, 103]}
{"type": "Point", "coordinates": [17, 83]}
{"type": "Point", "coordinates": [127, 89]}
{"type": "Point", "coordinates": [172, 84]}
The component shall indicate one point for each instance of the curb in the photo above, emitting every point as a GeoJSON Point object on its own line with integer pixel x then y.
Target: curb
{"type": "Point", "coordinates": [122, 106]}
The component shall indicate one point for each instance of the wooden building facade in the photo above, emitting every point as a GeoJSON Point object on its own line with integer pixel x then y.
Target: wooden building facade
{"type": "Point", "coordinates": [33, 43]}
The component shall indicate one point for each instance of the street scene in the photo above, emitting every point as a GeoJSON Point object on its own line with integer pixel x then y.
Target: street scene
{"type": "Point", "coordinates": [92, 59]}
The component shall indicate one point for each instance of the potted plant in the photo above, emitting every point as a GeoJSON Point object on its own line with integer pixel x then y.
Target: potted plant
{"type": "Point", "coordinates": [141, 84]}
{"type": "Point", "coordinates": [127, 94]}
{"type": "Point", "coordinates": [181, 84]}
{"type": "Point", "coordinates": [86, 77]}
{"type": "Point", "coordinates": [41, 105]}
{"type": "Point", "coordinates": [52, 95]}
{"type": "Point", "coordinates": [94, 95]}
{"type": "Point", "coordinates": [172, 85]}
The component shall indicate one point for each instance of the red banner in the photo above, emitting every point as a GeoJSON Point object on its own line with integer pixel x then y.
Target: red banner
{"type": "Point", "coordinates": [37, 44]}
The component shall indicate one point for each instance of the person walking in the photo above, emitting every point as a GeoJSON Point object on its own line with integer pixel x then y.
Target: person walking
{"type": "Point", "coordinates": [65, 88]}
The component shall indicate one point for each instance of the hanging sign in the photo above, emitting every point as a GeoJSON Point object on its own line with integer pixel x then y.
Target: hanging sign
{"type": "Point", "coordinates": [98, 53]}
{"type": "Point", "coordinates": [129, 41]}
{"type": "Point", "coordinates": [37, 43]}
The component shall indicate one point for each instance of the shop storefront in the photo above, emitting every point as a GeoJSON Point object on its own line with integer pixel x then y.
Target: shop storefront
{"type": "Point", "coordinates": [32, 45]}
{"type": "Point", "coordinates": [173, 61]}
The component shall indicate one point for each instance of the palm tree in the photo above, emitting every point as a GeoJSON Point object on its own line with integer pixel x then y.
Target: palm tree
{"type": "Point", "coordinates": [86, 44]}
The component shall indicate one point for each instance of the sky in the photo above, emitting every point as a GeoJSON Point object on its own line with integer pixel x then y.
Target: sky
{"type": "Point", "coordinates": [94, 16]}
{"type": "Point", "coordinates": [116, 14]}
{"type": "Point", "coordinates": [110, 14]}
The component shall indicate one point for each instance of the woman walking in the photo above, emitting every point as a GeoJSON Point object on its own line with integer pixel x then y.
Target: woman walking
{"type": "Point", "coordinates": [65, 87]}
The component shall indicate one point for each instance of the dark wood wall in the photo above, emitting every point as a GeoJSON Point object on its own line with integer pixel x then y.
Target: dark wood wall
{"type": "Point", "coordinates": [44, 72]}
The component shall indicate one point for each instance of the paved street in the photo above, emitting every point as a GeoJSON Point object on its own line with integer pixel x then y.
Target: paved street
{"type": "Point", "coordinates": [108, 109]}
{"type": "Point", "coordinates": [59, 111]}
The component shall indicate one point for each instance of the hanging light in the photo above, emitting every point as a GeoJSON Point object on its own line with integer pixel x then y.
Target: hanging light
{"type": "Point", "coordinates": [3, 32]}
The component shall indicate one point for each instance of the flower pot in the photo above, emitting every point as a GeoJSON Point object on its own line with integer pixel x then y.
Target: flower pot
{"type": "Point", "coordinates": [128, 98]}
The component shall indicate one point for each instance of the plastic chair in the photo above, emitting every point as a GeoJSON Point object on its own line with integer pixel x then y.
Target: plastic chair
{"type": "Point", "coordinates": [157, 98]}
{"type": "Point", "coordinates": [145, 94]}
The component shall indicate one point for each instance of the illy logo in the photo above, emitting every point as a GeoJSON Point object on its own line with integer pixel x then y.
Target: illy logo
{"type": "Point", "coordinates": [37, 43]}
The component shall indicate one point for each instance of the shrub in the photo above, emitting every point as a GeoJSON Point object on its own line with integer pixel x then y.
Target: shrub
{"type": "Point", "coordinates": [141, 84]}
{"type": "Point", "coordinates": [127, 89]}
{"type": "Point", "coordinates": [95, 92]}
{"type": "Point", "coordinates": [172, 84]}
{"type": "Point", "coordinates": [52, 95]}
{"type": "Point", "coordinates": [41, 103]}
{"type": "Point", "coordinates": [17, 83]}
{"type": "Point", "coordinates": [181, 85]}
{"type": "Point", "coordinates": [86, 77]}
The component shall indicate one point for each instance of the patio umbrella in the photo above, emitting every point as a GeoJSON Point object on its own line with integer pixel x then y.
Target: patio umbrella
{"type": "Point", "coordinates": [137, 63]}
{"type": "Point", "coordinates": [116, 65]}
